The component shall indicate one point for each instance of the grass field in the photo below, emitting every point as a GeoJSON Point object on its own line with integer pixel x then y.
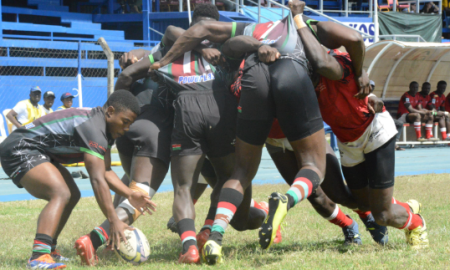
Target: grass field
{"type": "Point", "coordinates": [309, 241]}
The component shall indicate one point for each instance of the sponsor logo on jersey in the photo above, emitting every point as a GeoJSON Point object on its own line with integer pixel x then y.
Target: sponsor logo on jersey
{"type": "Point", "coordinates": [93, 144]}
{"type": "Point", "coordinates": [30, 125]}
{"type": "Point", "coordinates": [239, 108]}
{"type": "Point", "coordinates": [270, 41]}
{"type": "Point", "coordinates": [196, 78]}
{"type": "Point", "coordinates": [176, 147]}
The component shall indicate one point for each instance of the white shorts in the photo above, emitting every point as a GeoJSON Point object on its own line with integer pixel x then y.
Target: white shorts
{"type": "Point", "coordinates": [281, 143]}
{"type": "Point", "coordinates": [379, 132]}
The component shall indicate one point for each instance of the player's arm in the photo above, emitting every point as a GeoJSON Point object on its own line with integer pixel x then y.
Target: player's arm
{"type": "Point", "coordinates": [11, 116]}
{"type": "Point", "coordinates": [96, 169]}
{"type": "Point", "coordinates": [138, 200]}
{"type": "Point", "coordinates": [132, 73]}
{"type": "Point", "coordinates": [237, 47]}
{"type": "Point", "coordinates": [216, 32]}
{"type": "Point", "coordinates": [411, 109]}
{"type": "Point", "coordinates": [132, 57]}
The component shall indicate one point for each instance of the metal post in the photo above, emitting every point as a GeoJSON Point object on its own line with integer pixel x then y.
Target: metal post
{"type": "Point", "coordinates": [417, 6]}
{"type": "Point", "coordinates": [1, 27]}
{"type": "Point", "coordinates": [259, 11]}
{"type": "Point", "coordinates": [282, 9]}
{"type": "Point", "coordinates": [214, 2]}
{"type": "Point", "coordinates": [236, 3]}
{"type": "Point", "coordinates": [371, 8]}
{"type": "Point", "coordinates": [110, 57]}
{"type": "Point", "coordinates": [241, 7]}
{"type": "Point", "coordinates": [440, 7]}
{"type": "Point", "coordinates": [375, 22]}
{"type": "Point", "coordinates": [188, 3]}
{"type": "Point", "coordinates": [269, 4]}
{"type": "Point", "coordinates": [321, 6]}
{"type": "Point", "coordinates": [180, 6]}
{"type": "Point", "coordinates": [146, 8]}
{"type": "Point", "coordinates": [110, 6]}
{"type": "Point", "coordinates": [346, 8]}
{"type": "Point", "coordinates": [80, 90]}
{"type": "Point", "coordinates": [394, 6]}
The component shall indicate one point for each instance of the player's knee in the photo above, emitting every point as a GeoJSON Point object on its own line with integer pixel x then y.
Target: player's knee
{"type": "Point", "coordinates": [381, 217]}
{"type": "Point", "coordinates": [74, 197]}
{"type": "Point", "coordinates": [63, 195]}
{"type": "Point", "coordinates": [238, 226]}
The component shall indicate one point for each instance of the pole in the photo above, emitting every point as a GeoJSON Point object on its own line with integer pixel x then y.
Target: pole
{"type": "Point", "coordinates": [417, 6]}
{"type": "Point", "coordinates": [80, 90]}
{"type": "Point", "coordinates": [110, 57]}
{"type": "Point", "coordinates": [321, 6]}
{"type": "Point", "coordinates": [440, 7]}
{"type": "Point", "coordinates": [371, 8]}
{"type": "Point", "coordinates": [394, 8]}
{"type": "Point", "coordinates": [259, 11]}
{"type": "Point", "coordinates": [375, 22]}
{"type": "Point", "coordinates": [236, 3]}
{"type": "Point", "coordinates": [189, 11]}
{"type": "Point", "coordinates": [282, 10]}
{"type": "Point", "coordinates": [146, 8]}
{"type": "Point", "coordinates": [180, 6]}
{"type": "Point", "coordinates": [346, 8]}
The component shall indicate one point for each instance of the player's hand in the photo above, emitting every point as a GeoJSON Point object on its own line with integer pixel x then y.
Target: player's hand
{"type": "Point", "coordinates": [363, 83]}
{"type": "Point", "coordinates": [268, 54]}
{"type": "Point", "coordinates": [212, 56]}
{"type": "Point", "coordinates": [375, 105]}
{"type": "Point", "coordinates": [152, 73]}
{"type": "Point", "coordinates": [142, 202]}
{"type": "Point", "coordinates": [127, 59]}
{"type": "Point", "coordinates": [117, 229]}
{"type": "Point", "coordinates": [296, 7]}
{"type": "Point", "coordinates": [155, 66]}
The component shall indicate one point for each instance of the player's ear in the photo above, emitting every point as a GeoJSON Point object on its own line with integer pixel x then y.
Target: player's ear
{"type": "Point", "coordinates": [110, 111]}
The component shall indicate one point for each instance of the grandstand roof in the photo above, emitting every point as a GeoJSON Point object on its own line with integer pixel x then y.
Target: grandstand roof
{"type": "Point", "coordinates": [394, 64]}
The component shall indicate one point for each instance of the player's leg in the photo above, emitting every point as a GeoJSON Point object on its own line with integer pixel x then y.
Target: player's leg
{"type": "Point", "coordinates": [299, 116]}
{"type": "Point", "coordinates": [380, 165]}
{"type": "Point", "coordinates": [441, 118]}
{"type": "Point", "coordinates": [447, 123]}
{"type": "Point", "coordinates": [415, 119]}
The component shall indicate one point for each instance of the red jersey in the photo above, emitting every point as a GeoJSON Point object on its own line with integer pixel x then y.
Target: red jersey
{"type": "Point", "coordinates": [406, 100]}
{"type": "Point", "coordinates": [422, 100]}
{"type": "Point", "coordinates": [437, 100]}
{"type": "Point", "coordinates": [347, 116]}
{"type": "Point", "coordinates": [447, 103]}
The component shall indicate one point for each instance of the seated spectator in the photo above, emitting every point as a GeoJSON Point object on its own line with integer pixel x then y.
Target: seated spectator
{"type": "Point", "coordinates": [428, 116]}
{"type": "Point", "coordinates": [429, 8]}
{"type": "Point", "coordinates": [437, 106]}
{"type": "Point", "coordinates": [67, 100]}
{"type": "Point", "coordinates": [447, 103]}
{"type": "Point", "coordinates": [49, 99]}
{"type": "Point", "coordinates": [26, 111]}
{"type": "Point", "coordinates": [406, 109]}
{"type": "Point", "coordinates": [411, 9]}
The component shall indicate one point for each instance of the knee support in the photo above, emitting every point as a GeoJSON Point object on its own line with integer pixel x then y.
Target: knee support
{"type": "Point", "coordinates": [141, 187]}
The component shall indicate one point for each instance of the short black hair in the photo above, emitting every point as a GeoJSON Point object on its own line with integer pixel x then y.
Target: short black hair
{"type": "Point", "coordinates": [442, 82]}
{"type": "Point", "coordinates": [413, 82]}
{"type": "Point", "coordinates": [426, 83]}
{"type": "Point", "coordinates": [123, 100]}
{"type": "Point", "coordinates": [206, 10]}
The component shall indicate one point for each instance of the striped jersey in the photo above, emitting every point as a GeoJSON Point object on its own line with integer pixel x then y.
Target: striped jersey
{"type": "Point", "coordinates": [63, 135]}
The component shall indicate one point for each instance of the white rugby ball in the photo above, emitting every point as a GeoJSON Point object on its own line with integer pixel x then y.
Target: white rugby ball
{"type": "Point", "coordinates": [137, 250]}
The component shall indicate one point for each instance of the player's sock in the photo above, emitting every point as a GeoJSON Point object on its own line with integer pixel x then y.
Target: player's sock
{"type": "Point", "coordinates": [305, 182]}
{"type": "Point", "coordinates": [413, 220]}
{"type": "Point", "coordinates": [444, 133]}
{"type": "Point", "coordinates": [229, 201]}
{"type": "Point", "coordinates": [99, 237]}
{"type": "Point", "coordinates": [258, 206]}
{"type": "Point", "coordinates": [448, 135]}
{"type": "Point", "coordinates": [339, 218]}
{"type": "Point", "coordinates": [362, 214]}
{"type": "Point", "coordinates": [429, 131]}
{"type": "Point", "coordinates": [209, 219]}
{"type": "Point", "coordinates": [186, 230]}
{"type": "Point", "coordinates": [418, 129]}
{"type": "Point", "coordinates": [42, 245]}
{"type": "Point", "coordinates": [54, 243]}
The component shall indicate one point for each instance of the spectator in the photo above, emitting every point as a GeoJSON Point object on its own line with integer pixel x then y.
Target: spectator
{"type": "Point", "coordinates": [437, 106]}
{"type": "Point", "coordinates": [447, 103]}
{"type": "Point", "coordinates": [411, 9]}
{"type": "Point", "coordinates": [406, 109]}
{"type": "Point", "coordinates": [428, 116]}
{"type": "Point", "coordinates": [49, 99]}
{"type": "Point", "coordinates": [26, 111]}
{"type": "Point", "coordinates": [67, 100]}
{"type": "Point", "coordinates": [429, 8]}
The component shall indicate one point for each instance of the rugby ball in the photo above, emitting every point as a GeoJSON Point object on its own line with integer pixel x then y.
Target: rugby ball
{"type": "Point", "coordinates": [137, 248]}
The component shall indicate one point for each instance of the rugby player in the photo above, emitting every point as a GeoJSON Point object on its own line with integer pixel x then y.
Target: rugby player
{"type": "Point", "coordinates": [32, 157]}
{"type": "Point", "coordinates": [428, 116]}
{"type": "Point", "coordinates": [437, 106]}
{"type": "Point", "coordinates": [408, 112]}
{"type": "Point", "coordinates": [366, 141]}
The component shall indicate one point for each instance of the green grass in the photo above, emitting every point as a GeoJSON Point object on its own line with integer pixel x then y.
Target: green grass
{"type": "Point", "coordinates": [309, 241]}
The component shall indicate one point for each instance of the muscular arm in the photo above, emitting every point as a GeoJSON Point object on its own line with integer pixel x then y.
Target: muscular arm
{"type": "Point", "coordinates": [236, 47]}
{"type": "Point", "coordinates": [412, 110]}
{"type": "Point", "coordinates": [113, 180]}
{"type": "Point", "coordinates": [217, 32]}
{"type": "Point", "coordinates": [11, 116]}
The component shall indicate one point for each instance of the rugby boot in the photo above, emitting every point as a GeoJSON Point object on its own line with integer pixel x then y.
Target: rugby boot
{"type": "Point", "coordinates": [212, 253]}
{"type": "Point", "coordinates": [86, 250]}
{"type": "Point", "coordinates": [415, 208]}
{"type": "Point", "coordinates": [44, 262]}
{"type": "Point", "coordinates": [418, 237]}
{"type": "Point", "coordinates": [351, 234]}
{"type": "Point", "coordinates": [265, 207]}
{"type": "Point", "coordinates": [56, 255]}
{"type": "Point", "coordinates": [202, 237]}
{"type": "Point", "coordinates": [190, 257]}
{"type": "Point", "coordinates": [277, 212]}
{"type": "Point", "coordinates": [379, 233]}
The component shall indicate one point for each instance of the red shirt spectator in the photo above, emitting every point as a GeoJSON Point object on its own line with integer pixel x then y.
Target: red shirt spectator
{"type": "Point", "coordinates": [447, 103]}
{"type": "Point", "coordinates": [437, 100]}
{"type": "Point", "coordinates": [406, 100]}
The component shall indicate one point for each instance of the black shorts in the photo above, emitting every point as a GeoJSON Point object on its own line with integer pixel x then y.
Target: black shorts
{"type": "Point", "coordinates": [18, 164]}
{"type": "Point", "coordinates": [282, 90]}
{"type": "Point", "coordinates": [377, 171]}
{"type": "Point", "coordinates": [204, 122]}
{"type": "Point", "coordinates": [149, 135]}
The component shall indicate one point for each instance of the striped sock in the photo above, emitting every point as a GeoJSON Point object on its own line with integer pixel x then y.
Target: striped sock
{"type": "Point", "coordinates": [229, 201]}
{"type": "Point", "coordinates": [361, 214]}
{"type": "Point", "coordinates": [444, 133]}
{"type": "Point", "coordinates": [413, 221]}
{"type": "Point", "coordinates": [339, 218]}
{"type": "Point", "coordinates": [428, 131]}
{"type": "Point", "coordinates": [186, 230]}
{"type": "Point", "coordinates": [42, 245]}
{"type": "Point", "coordinates": [305, 182]}
{"type": "Point", "coordinates": [209, 219]}
{"type": "Point", "coordinates": [99, 237]}
{"type": "Point", "coordinates": [54, 243]}
{"type": "Point", "coordinates": [418, 129]}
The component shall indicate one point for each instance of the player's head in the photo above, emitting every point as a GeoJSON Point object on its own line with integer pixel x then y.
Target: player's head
{"type": "Point", "coordinates": [35, 94]}
{"type": "Point", "coordinates": [441, 86]}
{"type": "Point", "coordinates": [121, 109]}
{"type": "Point", "coordinates": [67, 100]}
{"type": "Point", "coordinates": [204, 12]}
{"type": "Point", "coordinates": [49, 99]}
{"type": "Point", "coordinates": [414, 87]}
{"type": "Point", "coordinates": [426, 87]}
